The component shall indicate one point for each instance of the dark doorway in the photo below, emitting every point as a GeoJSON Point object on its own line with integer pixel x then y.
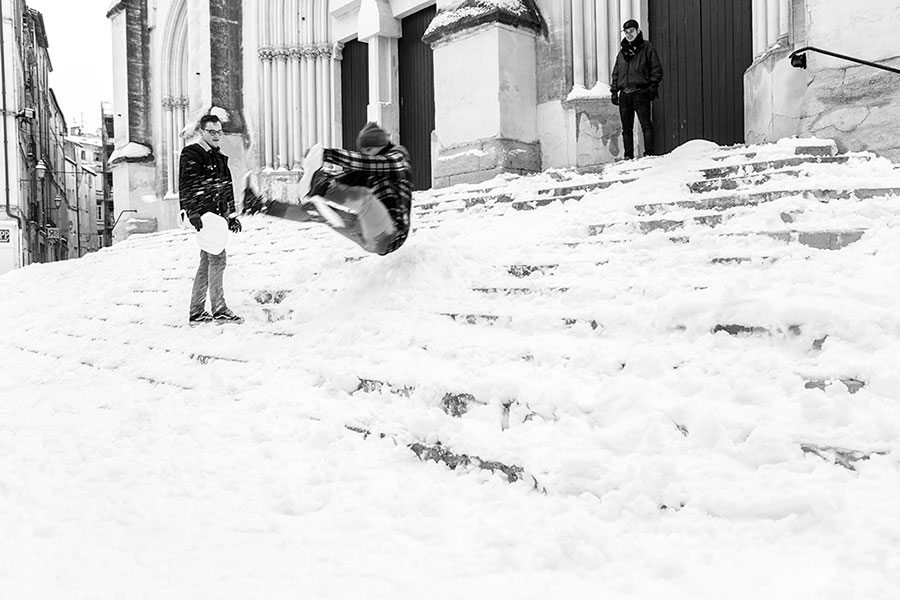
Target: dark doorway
{"type": "Point", "coordinates": [354, 91]}
{"type": "Point", "coordinates": [705, 46]}
{"type": "Point", "coordinates": [417, 94]}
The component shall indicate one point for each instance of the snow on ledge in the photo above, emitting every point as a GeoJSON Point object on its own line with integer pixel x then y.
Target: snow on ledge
{"type": "Point", "coordinates": [131, 152]}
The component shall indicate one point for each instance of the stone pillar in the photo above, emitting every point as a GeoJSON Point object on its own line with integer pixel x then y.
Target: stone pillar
{"type": "Point", "coordinates": [226, 83]}
{"type": "Point", "coordinates": [501, 137]}
{"type": "Point", "coordinates": [380, 30]}
{"type": "Point", "coordinates": [132, 163]}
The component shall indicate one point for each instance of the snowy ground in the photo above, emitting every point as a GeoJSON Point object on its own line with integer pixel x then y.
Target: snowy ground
{"type": "Point", "coordinates": [143, 459]}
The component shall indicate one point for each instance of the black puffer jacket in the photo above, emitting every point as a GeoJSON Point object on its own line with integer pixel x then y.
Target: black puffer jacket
{"type": "Point", "coordinates": [641, 71]}
{"type": "Point", "coordinates": [204, 183]}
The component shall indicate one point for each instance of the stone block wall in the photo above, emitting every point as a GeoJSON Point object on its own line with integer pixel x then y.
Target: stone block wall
{"type": "Point", "coordinates": [857, 106]}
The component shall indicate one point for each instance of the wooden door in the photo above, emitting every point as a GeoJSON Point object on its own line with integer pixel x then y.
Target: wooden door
{"type": "Point", "coordinates": [354, 91]}
{"type": "Point", "coordinates": [704, 46]}
{"type": "Point", "coordinates": [417, 94]}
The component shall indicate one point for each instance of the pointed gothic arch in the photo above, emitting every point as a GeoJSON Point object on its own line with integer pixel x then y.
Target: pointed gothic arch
{"type": "Point", "coordinates": [174, 90]}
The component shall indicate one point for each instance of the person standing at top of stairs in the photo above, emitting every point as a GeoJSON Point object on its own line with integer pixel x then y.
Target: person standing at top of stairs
{"type": "Point", "coordinates": [635, 85]}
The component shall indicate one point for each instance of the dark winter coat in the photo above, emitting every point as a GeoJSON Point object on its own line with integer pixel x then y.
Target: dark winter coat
{"type": "Point", "coordinates": [204, 181]}
{"type": "Point", "coordinates": [637, 67]}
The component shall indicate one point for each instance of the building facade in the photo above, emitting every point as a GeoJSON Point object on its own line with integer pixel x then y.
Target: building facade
{"type": "Point", "coordinates": [106, 216]}
{"type": "Point", "coordinates": [33, 131]}
{"type": "Point", "coordinates": [474, 87]}
{"type": "Point", "coordinates": [86, 154]}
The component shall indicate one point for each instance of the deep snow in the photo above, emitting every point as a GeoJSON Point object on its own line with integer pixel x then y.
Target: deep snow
{"type": "Point", "coordinates": [140, 458]}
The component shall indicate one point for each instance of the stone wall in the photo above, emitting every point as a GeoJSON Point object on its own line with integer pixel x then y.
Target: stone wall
{"type": "Point", "coordinates": [858, 106]}
{"type": "Point", "coordinates": [773, 97]}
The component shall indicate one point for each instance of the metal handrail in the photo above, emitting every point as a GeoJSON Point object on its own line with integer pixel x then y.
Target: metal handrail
{"type": "Point", "coordinates": [798, 59]}
{"type": "Point", "coordinates": [120, 216]}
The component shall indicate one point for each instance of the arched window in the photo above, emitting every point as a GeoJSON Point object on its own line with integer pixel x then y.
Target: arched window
{"type": "Point", "coordinates": [174, 91]}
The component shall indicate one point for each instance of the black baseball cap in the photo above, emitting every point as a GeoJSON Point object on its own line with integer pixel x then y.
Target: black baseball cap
{"type": "Point", "coordinates": [629, 24]}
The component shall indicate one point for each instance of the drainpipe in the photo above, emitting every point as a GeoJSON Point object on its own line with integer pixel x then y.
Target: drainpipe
{"type": "Point", "coordinates": [5, 115]}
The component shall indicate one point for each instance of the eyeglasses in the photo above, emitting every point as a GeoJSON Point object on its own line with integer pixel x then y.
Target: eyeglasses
{"type": "Point", "coordinates": [214, 132]}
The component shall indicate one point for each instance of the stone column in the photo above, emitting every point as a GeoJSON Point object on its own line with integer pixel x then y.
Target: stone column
{"type": "Point", "coordinates": [784, 17]}
{"type": "Point", "coordinates": [337, 129]}
{"type": "Point", "coordinates": [771, 22]}
{"type": "Point", "coordinates": [266, 56]}
{"type": "Point", "coordinates": [132, 163]}
{"type": "Point", "coordinates": [283, 158]}
{"type": "Point", "coordinates": [309, 81]}
{"type": "Point", "coordinates": [605, 30]}
{"type": "Point", "coordinates": [501, 137]}
{"type": "Point", "coordinates": [171, 134]}
{"type": "Point", "coordinates": [380, 30]}
{"type": "Point", "coordinates": [296, 120]}
{"type": "Point", "coordinates": [226, 92]}
{"type": "Point", "coordinates": [578, 43]}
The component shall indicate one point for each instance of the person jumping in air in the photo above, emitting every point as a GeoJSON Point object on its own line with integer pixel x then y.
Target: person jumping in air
{"type": "Point", "coordinates": [365, 196]}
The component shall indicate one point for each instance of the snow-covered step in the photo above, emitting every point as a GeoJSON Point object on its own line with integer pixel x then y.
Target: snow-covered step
{"type": "Point", "coordinates": [734, 183]}
{"type": "Point", "coordinates": [748, 168]}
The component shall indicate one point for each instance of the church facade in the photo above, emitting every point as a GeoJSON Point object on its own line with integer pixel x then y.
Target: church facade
{"type": "Point", "coordinates": [475, 88]}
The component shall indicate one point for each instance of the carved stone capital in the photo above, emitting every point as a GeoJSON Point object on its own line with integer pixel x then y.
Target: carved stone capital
{"type": "Point", "coordinates": [309, 51]}
{"type": "Point", "coordinates": [266, 53]}
{"type": "Point", "coordinates": [337, 51]}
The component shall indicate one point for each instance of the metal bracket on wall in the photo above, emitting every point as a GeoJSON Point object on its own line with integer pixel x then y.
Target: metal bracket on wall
{"type": "Point", "coordinates": [798, 59]}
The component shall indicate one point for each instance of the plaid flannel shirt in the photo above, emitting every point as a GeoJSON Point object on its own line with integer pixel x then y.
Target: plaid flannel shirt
{"type": "Point", "coordinates": [387, 175]}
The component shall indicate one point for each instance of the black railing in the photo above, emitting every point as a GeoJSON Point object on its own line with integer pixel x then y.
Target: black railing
{"type": "Point", "coordinates": [122, 213]}
{"type": "Point", "coordinates": [798, 59]}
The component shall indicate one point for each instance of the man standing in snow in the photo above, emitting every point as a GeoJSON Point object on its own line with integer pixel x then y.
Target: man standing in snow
{"type": "Point", "coordinates": [204, 186]}
{"type": "Point", "coordinates": [372, 191]}
{"type": "Point", "coordinates": [634, 85]}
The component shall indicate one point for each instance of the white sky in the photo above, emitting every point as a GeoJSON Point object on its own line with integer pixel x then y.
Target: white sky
{"type": "Point", "coordinates": [80, 51]}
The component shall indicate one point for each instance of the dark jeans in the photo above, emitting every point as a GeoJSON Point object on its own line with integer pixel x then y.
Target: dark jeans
{"type": "Point", "coordinates": [629, 104]}
{"type": "Point", "coordinates": [209, 277]}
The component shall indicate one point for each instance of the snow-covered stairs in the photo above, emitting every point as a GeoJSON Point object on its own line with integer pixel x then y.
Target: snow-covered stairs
{"type": "Point", "coordinates": [531, 308]}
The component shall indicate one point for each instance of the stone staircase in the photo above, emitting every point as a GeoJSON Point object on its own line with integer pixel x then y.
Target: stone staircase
{"type": "Point", "coordinates": [525, 310]}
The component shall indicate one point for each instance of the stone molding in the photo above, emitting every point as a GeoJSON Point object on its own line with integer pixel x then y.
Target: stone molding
{"type": "Point", "coordinates": [480, 160]}
{"type": "Point", "coordinates": [474, 13]}
{"type": "Point", "coordinates": [310, 52]}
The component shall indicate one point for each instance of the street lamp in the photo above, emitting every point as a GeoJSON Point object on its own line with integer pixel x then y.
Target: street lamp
{"type": "Point", "coordinates": [41, 171]}
{"type": "Point", "coordinates": [58, 201]}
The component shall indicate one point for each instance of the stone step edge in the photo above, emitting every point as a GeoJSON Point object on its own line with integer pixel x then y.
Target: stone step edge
{"type": "Point", "coordinates": [741, 182]}
{"type": "Point", "coordinates": [735, 199]}
{"type": "Point", "coordinates": [820, 239]}
{"type": "Point", "coordinates": [92, 365]}
{"type": "Point", "coordinates": [441, 454]}
{"type": "Point", "coordinates": [825, 150]}
{"type": "Point", "coordinates": [764, 166]}
{"type": "Point", "coordinates": [844, 457]}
